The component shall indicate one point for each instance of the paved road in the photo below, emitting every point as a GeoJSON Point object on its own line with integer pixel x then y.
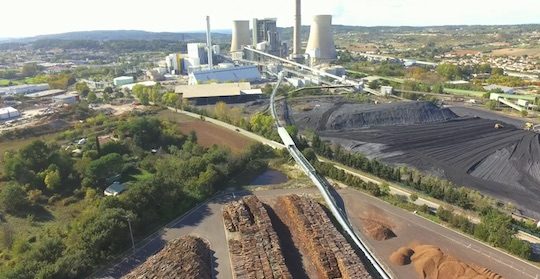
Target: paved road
{"type": "Point", "coordinates": [413, 227]}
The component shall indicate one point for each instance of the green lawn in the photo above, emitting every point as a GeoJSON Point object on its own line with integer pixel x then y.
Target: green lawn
{"type": "Point", "coordinates": [477, 94]}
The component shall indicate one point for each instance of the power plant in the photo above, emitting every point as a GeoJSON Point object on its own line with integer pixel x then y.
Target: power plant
{"type": "Point", "coordinates": [240, 35]}
{"type": "Point", "coordinates": [320, 47]}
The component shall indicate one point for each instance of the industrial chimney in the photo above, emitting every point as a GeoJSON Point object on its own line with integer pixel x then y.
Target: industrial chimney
{"type": "Point", "coordinates": [240, 35]}
{"type": "Point", "coordinates": [209, 48]}
{"type": "Point", "coordinates": [297, 29]}
{"type": "Point", "coordinates": [320, 47]}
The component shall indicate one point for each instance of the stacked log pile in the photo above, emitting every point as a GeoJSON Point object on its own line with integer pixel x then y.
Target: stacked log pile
{"type": "Point", "coordinates": [324, 245]}
{"type": "Point", "coordinates": [255, 251]}
{"type": "Point", "coordinates": [184, 258]}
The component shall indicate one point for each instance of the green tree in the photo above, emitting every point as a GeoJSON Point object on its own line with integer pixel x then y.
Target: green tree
{"type": "Point", "coordinates": [374, 84]}
{"type": "Point", "coordinates": [30, 69]}
{"type": "Point", "coordinates": [92, 98]}
{"type": "Point", "coordinates": [13, 198]}
{"type": "Point", "coordinates": [491, 104]}
{"type": "Point", "coordinates": [53, 180]}
{"type": "Point", "coordinates": [449, 71]}
{"type": "Point", "coordinates": [82, 88]}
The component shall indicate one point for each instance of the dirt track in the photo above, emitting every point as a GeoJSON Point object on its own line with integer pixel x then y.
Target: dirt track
{"type": "Point", "coordinates": [504, 163]}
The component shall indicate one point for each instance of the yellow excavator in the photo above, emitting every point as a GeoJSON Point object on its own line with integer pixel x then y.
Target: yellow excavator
{"type": "Point", "coordinates": [528, 126]}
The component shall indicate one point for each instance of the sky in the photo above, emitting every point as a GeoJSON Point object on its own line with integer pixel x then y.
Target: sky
{"type": "Point", "coordinates": [23, 18]}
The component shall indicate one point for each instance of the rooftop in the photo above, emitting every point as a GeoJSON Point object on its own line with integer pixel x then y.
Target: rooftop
{"type": "Point", "coordinates": [46, 93]}
{"type": "Point", "coordinates": [215, 90]}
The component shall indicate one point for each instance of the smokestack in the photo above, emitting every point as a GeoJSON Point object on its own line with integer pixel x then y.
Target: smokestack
{"type": "Point", "coordinates": [240, 35]}
{"type": "Point", "coordinates": [320, 45]}
{"type": "Point", "coordinates": [209, 43]}
{"type": "Point", "coordinates": [297, 30]}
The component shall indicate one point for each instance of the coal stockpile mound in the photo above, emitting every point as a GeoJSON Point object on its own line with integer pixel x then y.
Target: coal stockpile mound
{"type": "Point", "coordinates": [324, 245]}
{"type": "Point", "coordinates": [359, 116]}
{"type": "Point", "coordinates": [504, 163]}
{"type": "Point", "coordinates": [255, 250]}
{"type": "Point", "coordinates": [346, 115]}
{"type": "Point", "coordinates": [184, 258]}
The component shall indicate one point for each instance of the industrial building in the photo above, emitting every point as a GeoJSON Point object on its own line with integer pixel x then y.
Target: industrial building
{"type": "Point", "coordinates": [8, 113]}
{"type": "Point", "coordinates": [218, 92]}
{"type": "Point", "coordinates": [198, 51]}
{"type": "Point", "coordinates": [120, 81]}
{"type": "Point", "coordinates": [147, 83]}
{"type": "Point", "coordinates": [264, 31]}
{"type": "Point", "coordinates": [45, 94]}
{"type": "Point", "coordinates": [174, 63]}
{"type": "Point", "coordinates": [228, 74]}
{"type": "Point", "coordinates": [23, 89]}
{"type": "Point", "coordinates": [66, 99]}
{"type": "Point", "coordinates": [321, 47]}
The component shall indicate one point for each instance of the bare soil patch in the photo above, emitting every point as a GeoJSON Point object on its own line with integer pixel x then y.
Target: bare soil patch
{"type": "Point", "coordinates": [209, 134]}
{"type": "Point", "coordinates": [430, 262]}
{"type": "Point", "coordinates": [516, 52]}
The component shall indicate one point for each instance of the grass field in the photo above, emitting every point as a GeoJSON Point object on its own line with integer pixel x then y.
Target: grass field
{"type": "Point", "coordinates": [516, 52]}
{"type": "Point", "coordinates": [208, 134]}
{"type": "Point", "coordinates": [16, 144]}
{"type": "Point", "coordinates": [477, 94]}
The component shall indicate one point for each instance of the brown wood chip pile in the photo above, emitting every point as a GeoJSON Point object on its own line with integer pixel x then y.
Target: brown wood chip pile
{"type": "Point", "coordinates": [325, 246]}
{"type": "Point", "coordinates": [257, 252]}
{"type": "Point", "coordinates": [184, 258]}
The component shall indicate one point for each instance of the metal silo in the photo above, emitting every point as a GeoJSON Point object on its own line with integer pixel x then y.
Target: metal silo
{"type": "Point", "coordinates": [320, 47]}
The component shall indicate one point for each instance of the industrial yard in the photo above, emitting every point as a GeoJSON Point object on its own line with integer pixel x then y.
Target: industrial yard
{"type": "Point", "coordinates": [469, 151]}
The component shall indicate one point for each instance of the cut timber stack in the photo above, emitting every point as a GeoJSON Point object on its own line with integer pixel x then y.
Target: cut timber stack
{"type": "Point", "coordinates": [255, 248]}
{"type": "Point", "coordinates": [332, 255]}
{"type": "Point", "coordinates": [184, 258]}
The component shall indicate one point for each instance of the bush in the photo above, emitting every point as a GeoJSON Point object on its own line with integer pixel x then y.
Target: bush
{"type": "Point", "coordinates": [13, 198]}
{"type": "Point", "coordinates": [413, 197]}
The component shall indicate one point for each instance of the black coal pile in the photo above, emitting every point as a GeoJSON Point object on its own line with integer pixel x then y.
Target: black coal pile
{"type": "Point", "coordinates": [360, 116]}
{"type": "Point", "coordinates": [470, 151]}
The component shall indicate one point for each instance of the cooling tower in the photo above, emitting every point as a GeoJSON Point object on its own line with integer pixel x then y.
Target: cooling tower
{"type": "Point", "coordinates": [240, 35]}
{"type": "Point", "coordinates": [320, 45]}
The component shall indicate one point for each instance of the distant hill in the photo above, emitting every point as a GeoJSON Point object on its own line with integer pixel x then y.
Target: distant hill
{"type": "Point", "coordinates": [122, 35]}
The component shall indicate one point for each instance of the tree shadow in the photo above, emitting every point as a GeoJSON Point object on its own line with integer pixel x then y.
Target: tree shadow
{"type": "Point", "coordinates": [38, 213]}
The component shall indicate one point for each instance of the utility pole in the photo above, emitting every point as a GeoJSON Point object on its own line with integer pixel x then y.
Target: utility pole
{"type": "Point", "coordinates": [131, 233]}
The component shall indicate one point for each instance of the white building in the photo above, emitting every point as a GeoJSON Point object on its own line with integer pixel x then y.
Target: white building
{"type": "Point", "coordinates": [23, 89]}
{"type": "Point", "coordinates": [174, 63]}
{"type": "Point", "coordinates": [8, 113]}
{"type": "Point", "coordinates": [198, 50]}
{"type": "Point", "coordinates": [119, 81]}
{"type": "Point", "coordinates": [236, 74]}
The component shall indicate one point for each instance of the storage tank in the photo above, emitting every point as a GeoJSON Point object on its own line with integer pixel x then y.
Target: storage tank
{"type": "Point", "coordinates": [240, 35]}
{"type": "Point", "coordinates": [320, 47]}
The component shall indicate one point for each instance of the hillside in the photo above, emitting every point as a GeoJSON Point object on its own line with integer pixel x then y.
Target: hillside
{"type": "Point", "coordinates": [113, 35]}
